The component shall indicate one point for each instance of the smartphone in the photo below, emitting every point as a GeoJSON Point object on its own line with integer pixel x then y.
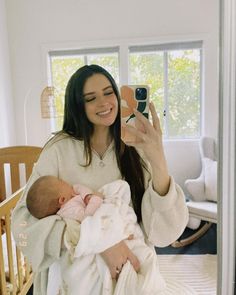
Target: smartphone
{"type": "Point", "coordinates": [133, 97]}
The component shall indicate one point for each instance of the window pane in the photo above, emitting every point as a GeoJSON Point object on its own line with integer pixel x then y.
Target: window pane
{"type": "Point", "coordinates": [184, 93]}
{"type": "Point", "coordinates": [147, 68]}
{"type": "Point", "coordinates": [62, 69]}
{"type": "Point", "coordinates": [109, 62]}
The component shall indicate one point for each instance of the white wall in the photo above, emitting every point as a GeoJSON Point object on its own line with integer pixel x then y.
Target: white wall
{"type": "Point", "coordinates": [33, 24]}
{"type": "Point", "coordinates": [7, 116]}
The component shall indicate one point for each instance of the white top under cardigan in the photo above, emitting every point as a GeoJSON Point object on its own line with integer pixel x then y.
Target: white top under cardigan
{"type": "Point", "coordinates": [164, 218]}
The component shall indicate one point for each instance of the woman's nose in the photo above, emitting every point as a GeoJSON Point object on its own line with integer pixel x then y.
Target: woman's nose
{"type": "Point", "coordinates": [102, 100]}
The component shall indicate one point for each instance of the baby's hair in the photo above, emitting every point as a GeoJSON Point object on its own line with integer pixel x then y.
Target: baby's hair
{"type": "Point", "coordinates": [42, 197]}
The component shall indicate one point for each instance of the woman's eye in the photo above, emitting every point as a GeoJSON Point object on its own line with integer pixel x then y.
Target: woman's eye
{"type": "Point", "coordinates": [88, 99]}
{"type": "Point", "coordinates": [109, 93]}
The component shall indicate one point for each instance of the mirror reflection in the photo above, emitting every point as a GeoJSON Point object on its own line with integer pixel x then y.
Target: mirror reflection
{"type": "Point", "coordinates": [172, 47]}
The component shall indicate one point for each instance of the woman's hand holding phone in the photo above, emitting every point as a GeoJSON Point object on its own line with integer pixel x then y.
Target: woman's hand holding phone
{"type": "Point", "coordinates": [148, 136]}
{"type": "Point", "coordinates": [149, 140]}
{"type": "Point", "coordinates": [136, 129]}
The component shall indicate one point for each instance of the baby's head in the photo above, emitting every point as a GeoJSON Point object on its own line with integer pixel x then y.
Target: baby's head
{"type": "Point", "coordinates": [46, 196]}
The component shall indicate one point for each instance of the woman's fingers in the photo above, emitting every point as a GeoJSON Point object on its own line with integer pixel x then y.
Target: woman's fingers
{"type": "Point", "coordinates": [115, 272]}
{"type": "Point", "coordinates": [143, 121]}
{"type": "Point", "coordinates": [116, 256]}
{"type": "Point", "coordinates": [131, 129]}
{"type": "Point", "coordinates": [155, 119]}
{"type": "Point", "coordinates": [149, 128]}
{"type": "Point", "coordinates": [134, 261]}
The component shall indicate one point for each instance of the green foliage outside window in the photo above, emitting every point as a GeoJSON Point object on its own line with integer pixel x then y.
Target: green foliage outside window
{"type": "Point", "coordinates": [64, 67]}
{"type": "Point", "coordinates": [178, 95]}
{"type": "Point", "coordinates": [109, 62]}
{"type": "Point", "coordinates": [174, 84]}
{"type": "Point", "coordinates": [184, 94]}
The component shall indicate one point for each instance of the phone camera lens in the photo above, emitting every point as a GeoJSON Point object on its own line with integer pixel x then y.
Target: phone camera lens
{"type": "Point", "coordinates": [141, 93]}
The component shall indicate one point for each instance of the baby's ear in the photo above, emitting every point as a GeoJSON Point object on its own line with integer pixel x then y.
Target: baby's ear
{"type": "Point", "coordinates": [61, 200]}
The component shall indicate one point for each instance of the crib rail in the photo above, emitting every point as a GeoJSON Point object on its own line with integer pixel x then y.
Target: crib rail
{"type": "Point", "coordinates": [16, 275]}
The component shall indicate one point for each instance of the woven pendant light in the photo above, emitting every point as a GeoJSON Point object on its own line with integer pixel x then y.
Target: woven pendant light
{"type": "Point", "coordinates": [47, 101]}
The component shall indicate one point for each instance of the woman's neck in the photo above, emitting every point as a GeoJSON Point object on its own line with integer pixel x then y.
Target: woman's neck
{"type": "Point", "coordinates": [100, 141]}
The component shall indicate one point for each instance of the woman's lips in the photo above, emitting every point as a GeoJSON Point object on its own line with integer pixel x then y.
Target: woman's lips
{"type": "Point", "coordinates": [104, 113]}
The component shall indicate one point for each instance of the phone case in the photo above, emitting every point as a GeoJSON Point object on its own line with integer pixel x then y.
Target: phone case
{"type": "Point", "coordinates": [133, 97]}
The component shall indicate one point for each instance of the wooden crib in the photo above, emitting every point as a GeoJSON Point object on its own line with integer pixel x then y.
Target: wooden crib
{"type": "Point", "coordinates": [16, 275]}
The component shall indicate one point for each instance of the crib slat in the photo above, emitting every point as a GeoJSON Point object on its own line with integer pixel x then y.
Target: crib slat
{"type": "Point", "coordinates": [19, 268]}
{"type": "Point", "coordinates": [28, 169]}
{"type": "Point", "coordinates": [27, 269]}
{"type": "Point", "coordinates": [10, 253]}
{"type": "Point", "coordinates": [5, 209]}
{"type": "Point", "coordinates": [15, 177]}
{"type": "Point", "coordinates": [2, 183]}
{"type": "Point", "coordinates": [20, 283]}
{"type": "Point", "coordinates": [2, 268]}
{"type": "Point", "coordinates": [26, 286]}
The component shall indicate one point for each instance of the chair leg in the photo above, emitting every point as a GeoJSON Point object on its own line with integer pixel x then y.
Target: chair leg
{"type": "Point", "coordinates": [192, 238]}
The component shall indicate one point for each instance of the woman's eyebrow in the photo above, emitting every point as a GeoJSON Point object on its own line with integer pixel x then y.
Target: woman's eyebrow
{"type": "Point", "coordinates": [107, 87]}
{"type": "Point", "coordinates": [90, 93]}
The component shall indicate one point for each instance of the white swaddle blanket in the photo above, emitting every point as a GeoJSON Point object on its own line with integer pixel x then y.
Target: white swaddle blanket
{"type": "Point", "coordinates": [87, 273]}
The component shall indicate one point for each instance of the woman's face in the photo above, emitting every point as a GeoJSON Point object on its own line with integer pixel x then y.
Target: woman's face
{"type": "Point", "coordinates": [101, 105]}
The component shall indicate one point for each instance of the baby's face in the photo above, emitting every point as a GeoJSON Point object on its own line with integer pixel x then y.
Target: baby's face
{"type": "Point", "coordinates": [66, 191]}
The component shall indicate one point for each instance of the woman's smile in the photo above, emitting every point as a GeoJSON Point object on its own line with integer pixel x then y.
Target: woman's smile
{"type": "Point", "coordinates": [101, 105]}
{"type": "Point", "coordinates": [105, 113]}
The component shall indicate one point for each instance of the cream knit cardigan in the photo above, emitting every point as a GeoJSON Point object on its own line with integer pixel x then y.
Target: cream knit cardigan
{"type": "Point", "coordinates": [164, 218]}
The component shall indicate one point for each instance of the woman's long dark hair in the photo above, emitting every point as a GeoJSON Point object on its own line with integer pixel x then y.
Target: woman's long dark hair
{"type": "Point", "coordinates": [77, 125]}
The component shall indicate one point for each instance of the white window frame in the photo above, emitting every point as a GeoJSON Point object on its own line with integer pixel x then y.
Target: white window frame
{"type": "Point", "coordinates": [124, 45]}
{"type": "Point", "coordinates": [165, 48]}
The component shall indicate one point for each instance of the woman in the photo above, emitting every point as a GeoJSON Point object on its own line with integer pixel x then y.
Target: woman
{"type": "Point", "coordinates": [89, 149]}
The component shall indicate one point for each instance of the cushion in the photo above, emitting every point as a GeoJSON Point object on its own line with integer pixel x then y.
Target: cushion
{"type": "Point", "coordinates": [210, 175]}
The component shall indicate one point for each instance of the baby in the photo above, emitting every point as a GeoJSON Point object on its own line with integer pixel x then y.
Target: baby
{"type": "Point", "coordinates": [81, 267]}
{"type": "Point", "coordinates": [50, 195]}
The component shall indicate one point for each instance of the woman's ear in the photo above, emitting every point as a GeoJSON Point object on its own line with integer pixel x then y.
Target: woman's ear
{"type": "Point", "coordinates": [61, 200]}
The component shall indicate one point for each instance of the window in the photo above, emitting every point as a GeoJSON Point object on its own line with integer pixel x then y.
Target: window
{"type": "Point", "coordinates": [172, 71]}
{"type": "Point", "coordinates": [65, 63]}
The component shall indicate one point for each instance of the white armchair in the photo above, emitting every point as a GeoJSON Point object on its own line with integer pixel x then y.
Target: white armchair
{"type": "Point", "coordinates": [202, 202]}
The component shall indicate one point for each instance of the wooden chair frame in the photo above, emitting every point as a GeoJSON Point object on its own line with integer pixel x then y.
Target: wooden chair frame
{"type": "Point", "coordinates": [19, 281]}
{"type": "Point", "coordinates": [14, 156]}
{"type": "Point", "coordinates": [19, 277]}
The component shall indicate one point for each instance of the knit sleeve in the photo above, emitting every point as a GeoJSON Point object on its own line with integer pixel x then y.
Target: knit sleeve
{"type": "Point", "coordinates": [164, 218]}
{"type": "Point", "coordinates": [39, 239]}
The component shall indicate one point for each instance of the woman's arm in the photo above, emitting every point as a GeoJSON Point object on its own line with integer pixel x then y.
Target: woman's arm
{"type": "Point", "coordinates": [164, 218]}
{"type": "Point", "coordinates": [39, 239]}
{"type": "Point", "coordinates": [149, 141]}
{"type": "Point", "coordinates": [164, 211]}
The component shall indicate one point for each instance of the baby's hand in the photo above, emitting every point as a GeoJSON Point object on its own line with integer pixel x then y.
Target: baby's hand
{"type": "Point", "coordinates": [88, 197]}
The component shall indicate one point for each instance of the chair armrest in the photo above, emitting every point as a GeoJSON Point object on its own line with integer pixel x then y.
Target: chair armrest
{"type": "Point", "coordinates": [203, 210]}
